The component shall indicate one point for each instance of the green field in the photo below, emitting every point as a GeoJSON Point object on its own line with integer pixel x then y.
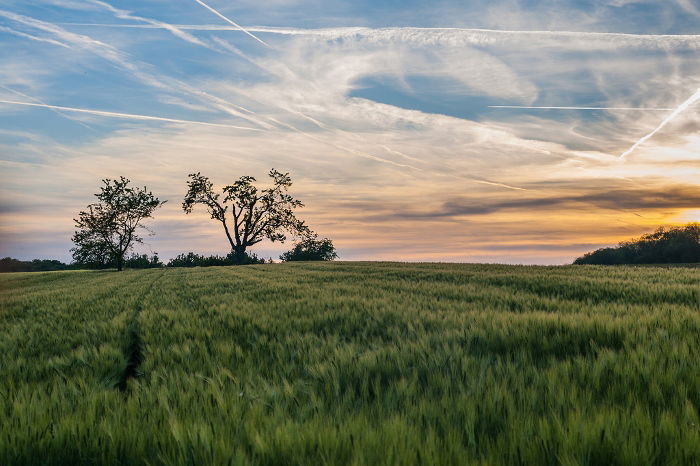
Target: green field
{"type": "Point", "coordinates": [351, 363]}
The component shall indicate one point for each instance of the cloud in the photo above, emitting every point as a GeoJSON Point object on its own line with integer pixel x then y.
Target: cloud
{"type": "Point", "coordinates": [669, 197]}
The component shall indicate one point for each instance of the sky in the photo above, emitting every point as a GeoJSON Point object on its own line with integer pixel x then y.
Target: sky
{"type": "Point", "coordinates": [412, 130]}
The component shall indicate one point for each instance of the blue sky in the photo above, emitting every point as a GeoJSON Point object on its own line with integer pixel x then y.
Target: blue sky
{"type": "Point", "coordinates": [381, 112]}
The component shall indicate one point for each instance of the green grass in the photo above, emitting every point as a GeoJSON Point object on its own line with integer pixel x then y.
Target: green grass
{"type": "Point", "coordinates": [352, 363]}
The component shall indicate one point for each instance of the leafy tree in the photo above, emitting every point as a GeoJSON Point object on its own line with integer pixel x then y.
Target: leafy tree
{"type": "Point", "coordinates": [665, 245]}
{"type": "Point", "coordinates": [248, 214]}
{"type": "Point", "coordinates": [109, 228]}
{"type": "Point", "coordinates": [311, 249]}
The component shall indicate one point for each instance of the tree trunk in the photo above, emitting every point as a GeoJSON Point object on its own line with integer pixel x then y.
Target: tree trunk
{"type": "Point", "coordinates": [120, 262]}
{"type": "Point", "coordinates": [239, 254]}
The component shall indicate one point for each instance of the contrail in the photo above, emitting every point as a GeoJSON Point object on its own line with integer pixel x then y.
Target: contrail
{"type": "Point", "coordinates": [123, 14]}
{"type": "Point", "coordinates": [500, 185]}
{"type": "Point", "coordinates": [581, 108]}
{"type": "Point", "coordinates": [232, 22]}
{"type": "Point", "coordinates": [457, 36]}
{"type": "Point", "coordinates": [396, 152]}
{"type": "Point", "coordinates": [29, 36]}
{"type": "Point", "coordinates": [22, 94]}
{"type": "Point", "coordinates": [128, 116]}
{"type": "Point", "coordinates": [681, 108]}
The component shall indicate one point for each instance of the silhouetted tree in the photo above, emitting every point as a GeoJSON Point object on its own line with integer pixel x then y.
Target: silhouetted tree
{"type": "Point", "coordinates": [108, 229]}
{"type": "Point", "coordinates": [247, 213]}
{"type": "Point", "coordinates": [665, 245]}
{"type": "Point", "coordinates": [311, 249]}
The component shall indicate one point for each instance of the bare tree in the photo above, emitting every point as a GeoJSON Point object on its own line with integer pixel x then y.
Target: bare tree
{"type": "Point", "coordinates": [249, 214]}
{"type": "Point", "coordinates": [108, 229]}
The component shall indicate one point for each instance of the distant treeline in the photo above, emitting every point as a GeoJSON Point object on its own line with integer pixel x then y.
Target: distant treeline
{"type": "Point", "coordinates": [135, 261]}
{"type": "Point", "coordinates": [9, 264]}
{"type": "Point", "coordinates": [674, 245]}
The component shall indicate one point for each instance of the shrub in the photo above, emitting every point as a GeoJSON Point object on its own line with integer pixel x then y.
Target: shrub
{"type": "Point", "coordinates": [311, 249]}
{"type": "Point", "coordinates": [195, 260]}
{"type": "Point", "coordinates": [142, 261]}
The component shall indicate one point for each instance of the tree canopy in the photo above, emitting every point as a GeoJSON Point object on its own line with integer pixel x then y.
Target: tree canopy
{"type": "Point", "coordinates": [248, 214]}
{"type": "Point", "coordinates": [311, 249]}
{"type": "Point", "coordinates": [666, 245]}
{"type": "Point", "coordinates": [109, 228]}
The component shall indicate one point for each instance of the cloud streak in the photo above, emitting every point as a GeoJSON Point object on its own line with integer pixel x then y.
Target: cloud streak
{"type": "Point", "coordinates": [459, 36]}
{"type": "Point", "coordinates": [32, 37]}
{"type": "Point", "coordinates": [128, 116]}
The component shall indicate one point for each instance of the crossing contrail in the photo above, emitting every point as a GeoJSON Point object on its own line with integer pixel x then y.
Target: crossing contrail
{"type": "Point", "coordinates": [128, 116]}
{"type": "Point", "coordinates": [681, 108]}
{"type": "Point", "coordinates": [580, 108]}
{"type": "Point", "coordinates": [232, 22]}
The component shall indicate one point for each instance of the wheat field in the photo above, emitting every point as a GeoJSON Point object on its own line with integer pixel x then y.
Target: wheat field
{"type": "Point", "coordinates": [351, 363]}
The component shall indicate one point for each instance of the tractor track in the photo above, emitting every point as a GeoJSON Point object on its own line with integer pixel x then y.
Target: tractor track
{"type": "Point", "coordinates": [133, 350]}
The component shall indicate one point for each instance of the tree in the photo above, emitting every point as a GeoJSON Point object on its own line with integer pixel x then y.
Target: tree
{"type": "Point", "coordinates": [247, 213]}
{"type": "Point", "coordinates": [311, 249]}
{"type": "Point", "coordinates": [109, 228]}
